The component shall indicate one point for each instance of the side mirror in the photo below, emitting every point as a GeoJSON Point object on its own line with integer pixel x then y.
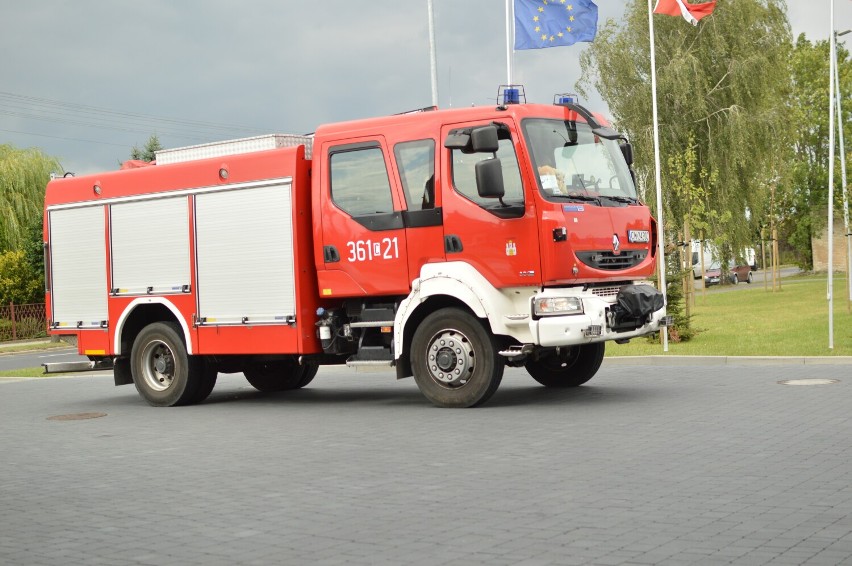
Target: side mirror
{"type": "Point", "coordinates": [489, 178]}
{"type": "Point", "coordinates": [627, 152]}
{"type": "Point", "coordinates": [484, 139]}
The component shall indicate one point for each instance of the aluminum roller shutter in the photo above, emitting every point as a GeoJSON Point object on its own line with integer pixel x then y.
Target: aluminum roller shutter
{"type": "Point", "coordinates": [150, 246]}
{"type": "Point", "coordinates": [244, 250]}
{"type": "Point", "coordinates": [78, 267]}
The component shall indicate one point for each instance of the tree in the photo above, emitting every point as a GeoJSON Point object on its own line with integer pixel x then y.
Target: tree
{"type": "Point", "coordinates": [24, 173]}
{"type": "Point", "coordinates": [721, 90]}
{"type": "Point", "coordinates": [802, 202]}
{"type": "Point", "coordinates": [19, 284]}
{"type": "Point", "coordinates": [149, 151]}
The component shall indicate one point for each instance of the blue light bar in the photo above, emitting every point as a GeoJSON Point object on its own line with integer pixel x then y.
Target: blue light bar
{"type": "Point", "coordinates": [565, 98]}
{"type": "Point", "coordinates": [511, 94]}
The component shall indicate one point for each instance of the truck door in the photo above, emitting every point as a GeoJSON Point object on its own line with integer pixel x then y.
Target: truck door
{"type": "Point", "coordinates": [496, 236]}
{"type": "Point", "coordinates": [363, 230]}
{"type": "Point", "coordinates": [415, 163]}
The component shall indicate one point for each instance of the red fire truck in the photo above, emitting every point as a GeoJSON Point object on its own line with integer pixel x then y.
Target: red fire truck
{"type": "Point", "coordinates": [446, 244]}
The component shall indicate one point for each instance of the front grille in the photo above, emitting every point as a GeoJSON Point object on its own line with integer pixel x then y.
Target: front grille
{"type": "Point", "coordinates": [609, 261]}
{"type": "Point", "coordinates": [605, 292]}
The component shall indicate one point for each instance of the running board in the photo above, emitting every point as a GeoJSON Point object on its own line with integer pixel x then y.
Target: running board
{"type": "Point", "coordinates": [370, 363]}
{"type": "Point", "coordinates": [67, 367]}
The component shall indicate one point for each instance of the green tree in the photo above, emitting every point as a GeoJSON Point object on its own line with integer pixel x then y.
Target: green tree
{"type": "Point", "coordinates": [19, 284]}
{"type": "Point", "coordinates": [149, 151]}
{"type": "Point", "coordinates": [24, 173]}
{"type": "Point", "coordinates": [723, 120]}
{"type": "Point", "coordinates": [802, 202]}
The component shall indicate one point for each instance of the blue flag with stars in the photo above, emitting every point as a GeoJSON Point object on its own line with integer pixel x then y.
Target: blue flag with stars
{"type": "Point", "coordinates": [551, 23]}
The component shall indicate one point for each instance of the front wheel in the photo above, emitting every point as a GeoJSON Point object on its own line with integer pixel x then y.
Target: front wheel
{"type": "Point", "coordinates": [750, 278]}
{"type": "Point", "coordinates": [455, 360]}
{"type": "Point", "coordinates": [569, 367]}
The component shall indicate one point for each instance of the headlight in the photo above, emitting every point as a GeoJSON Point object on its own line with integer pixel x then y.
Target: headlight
{"type": "Point", "coordinates": [558, 305]}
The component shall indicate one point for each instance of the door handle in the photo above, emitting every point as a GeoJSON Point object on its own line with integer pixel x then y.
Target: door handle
{"type": "Point", "coordinates": [330, 255]}
{"type": "Point", "coordinates": [452, 244]}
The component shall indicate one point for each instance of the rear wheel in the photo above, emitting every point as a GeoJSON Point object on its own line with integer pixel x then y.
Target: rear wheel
{"type": "Point", "coordinates": [279, 375]}
{"type": "Point", "coordinates": [735, 279]}
{"type": "Point", "coordinates": [750, 277]}
{"type": "Point", "coordinates": [206, 383]}
{"type": "Point", "coordinates": [570, 367]}
{"type": "Point", "coordinates": [455, 360]}
{"type": "Point", "coordinates": [163, 372]}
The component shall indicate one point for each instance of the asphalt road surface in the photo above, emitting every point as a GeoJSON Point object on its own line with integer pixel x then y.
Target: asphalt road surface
{"type": "Point", "coordinates": [33, 359]}
{"type": "Point", "coordinates": [705, 464]}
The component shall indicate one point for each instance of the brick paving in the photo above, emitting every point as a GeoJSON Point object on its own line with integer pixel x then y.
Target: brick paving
{"type": "Point", "coordinates": [702, 464]}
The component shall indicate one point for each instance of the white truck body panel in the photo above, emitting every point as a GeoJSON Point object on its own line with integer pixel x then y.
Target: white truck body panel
{"type": "Point", "coordinates": [245, 256]}
{"type": "Point", "coordinates": [78, 281]}
{"type": "Point", "coordinates": [150, 246]}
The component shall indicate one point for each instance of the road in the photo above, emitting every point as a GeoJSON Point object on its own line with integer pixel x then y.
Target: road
{"type": "Point", "coordinates": [643, 465]}
{"type": "Point", "coordinates": [31, 359]}
{"type": "Point", "coordinates": [758, 280]}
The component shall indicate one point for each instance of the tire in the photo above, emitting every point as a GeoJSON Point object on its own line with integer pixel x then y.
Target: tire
{"type": "Point", "coordinates": [163, 373]}
{"type": "Point", "coordinates": [206, 383]}
{"type": "Point", "coordinates": [750, 277]}
{"type": "Point", "coordinates": [571, 367]}
{"type": "Point", "coordinates": [279, 375]}
{"type": "Point", "coordinates": [735, 279]}
{"type": "Point", "coordinates": [455, 360]}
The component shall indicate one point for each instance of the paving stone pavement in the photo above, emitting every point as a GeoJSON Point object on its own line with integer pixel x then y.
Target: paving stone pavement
{"type": "Point", "coordinates": [702, 464]}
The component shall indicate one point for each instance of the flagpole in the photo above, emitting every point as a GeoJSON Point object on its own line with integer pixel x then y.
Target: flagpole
{"type": "Point", "coordinates": [510, 16]}
{"type": "Point", "coordinates": [660, 231]}
{"type": "Point", "coordinates": [843, 172]}
{"type": "Point", "coordinates": [831, 71]}
{"type": "Point", "coordinates": [433, 55]}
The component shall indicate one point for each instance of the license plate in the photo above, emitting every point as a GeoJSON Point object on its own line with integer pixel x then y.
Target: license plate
{"type": "Point", "coordinates": [637, 236]}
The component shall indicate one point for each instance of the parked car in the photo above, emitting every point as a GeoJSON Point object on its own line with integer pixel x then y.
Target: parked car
{"type": "Point", "coordinates": [741, 273]}
{"type": "Point", "coordinates": [735, 274]}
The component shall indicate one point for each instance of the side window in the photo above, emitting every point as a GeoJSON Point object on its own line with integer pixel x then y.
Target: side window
{"type": "Point", "coordinates": [359, 181]}
{"type": "Point", "coordinates": [416, 163]}
{"type": "Point", "coordinates": [464, 178]}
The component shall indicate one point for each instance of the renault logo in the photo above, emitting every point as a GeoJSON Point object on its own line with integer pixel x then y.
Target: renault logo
{"type": "Point", "coordinates": [615, 243]}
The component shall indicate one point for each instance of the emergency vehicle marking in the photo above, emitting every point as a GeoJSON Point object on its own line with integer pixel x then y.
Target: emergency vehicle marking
{"type": "Point", "coordinates": [368, 250]}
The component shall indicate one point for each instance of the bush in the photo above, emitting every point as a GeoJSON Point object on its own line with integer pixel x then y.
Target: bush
{"type": "Point", "coordinates": [20, 282]}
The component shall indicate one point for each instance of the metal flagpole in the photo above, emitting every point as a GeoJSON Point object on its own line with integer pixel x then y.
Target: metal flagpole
{"type": "Point", "coordinates": [510, 16]}
{"type": "Point", "coordinates": [831, 72]}
{"type": "Point", "coordinates": [433, 55]}
{"type": "Point", "coordinates": [843, 174]}
{"type": "Point", "coordinates": [660, 231]}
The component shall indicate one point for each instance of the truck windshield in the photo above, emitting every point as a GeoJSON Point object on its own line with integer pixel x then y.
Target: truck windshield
{"type": "Point", "coordinates": [572, 163]}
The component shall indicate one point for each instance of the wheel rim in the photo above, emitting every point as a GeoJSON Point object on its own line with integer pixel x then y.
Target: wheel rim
{"type": "Point", "coordinates": [450, 359]}
{"type": "Point", "coordinates": [158, 365]}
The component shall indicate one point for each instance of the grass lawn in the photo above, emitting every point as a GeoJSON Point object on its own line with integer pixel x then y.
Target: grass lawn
{"type": "Point", "coordinates": [751, 321]}
{"type": "Point", "coordinates": [10, 347]}
{"type": "Point", "coordinates": [26, 372]}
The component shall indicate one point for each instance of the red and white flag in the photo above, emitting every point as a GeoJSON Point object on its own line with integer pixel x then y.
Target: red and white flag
{"type": "Point", "coordinates": [690, 12]}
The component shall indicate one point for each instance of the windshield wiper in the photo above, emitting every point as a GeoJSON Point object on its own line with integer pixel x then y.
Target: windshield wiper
{"type": "Point", "coordinates": [616, 198]}
{"type": "Point", "coordinates": [575, 197]}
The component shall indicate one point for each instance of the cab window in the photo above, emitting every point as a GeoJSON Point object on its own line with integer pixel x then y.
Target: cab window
{"type": "Point", "coordinates": [359, 181]}
{"type": "Point", "coordinates": [464, 179]}
{"type": "Point", "coordinates": [416, 163]}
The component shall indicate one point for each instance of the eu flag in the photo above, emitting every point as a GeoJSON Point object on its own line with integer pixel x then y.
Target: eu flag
{"type": "Point", "coordinates": [551, 23]}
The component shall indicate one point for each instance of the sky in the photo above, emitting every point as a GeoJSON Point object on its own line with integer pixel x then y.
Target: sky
{"type": "Point", "coordinates": [85, 81]}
